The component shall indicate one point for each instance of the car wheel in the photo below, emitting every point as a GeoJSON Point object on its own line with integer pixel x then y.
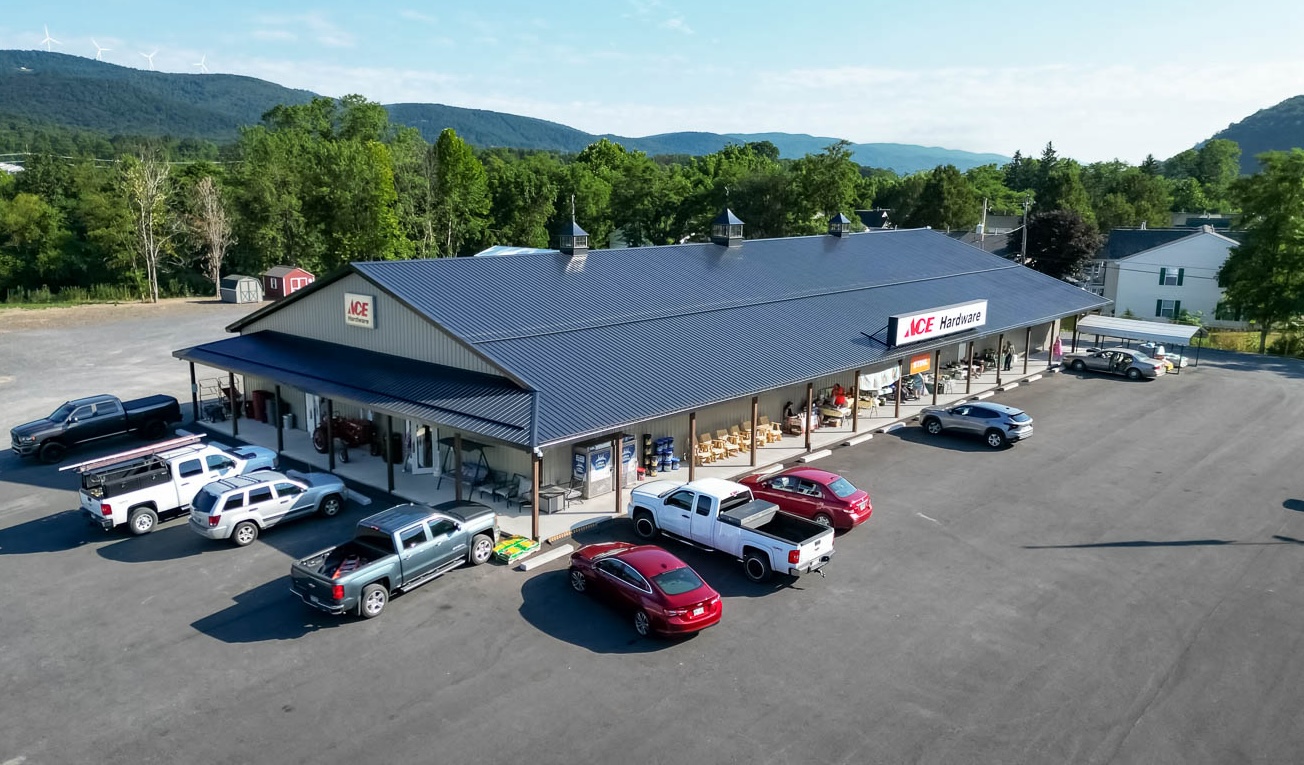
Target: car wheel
{"type": "Point", "coordinates": [642, 624]}
{"type": "Point", "coordinates": [756, 567]}
{"type": "Point", "coordinates": [244, 533]}
{"type": "Point", "coordinates": [53, 452]}
{"type": "Point", "coordinates": [645, 526]}
{"type": "Point", "coordinates": [1078, 365]}
{"type": "Point", "coordinates": [1134, 374]}
{"type": "Point", "coordinates": [995, 439]}
{"type": "Point", "coordinates": [374, 598]}
{"type": "Point", "coordinates": [142, 520]}
{"type": "Point", "coordinates": [933, 426]}
{"type": "Point", "coordinates": [578, 582]}
{"type": "Point", "coordinates": [154, 430]}
{"type": "Point", "coordinates": [331, 506]}
{"type": "Point", "coordinates": [482, 549]}
{"type": "Point", "coordinates": [823, 519]}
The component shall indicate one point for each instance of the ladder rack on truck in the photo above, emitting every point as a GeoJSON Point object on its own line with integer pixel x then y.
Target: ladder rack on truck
{"type": "Point", "coordinates": [144, 451]}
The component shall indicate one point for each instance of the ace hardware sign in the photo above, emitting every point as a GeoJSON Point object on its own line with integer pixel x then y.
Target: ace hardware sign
{"type": "Point", "coordinates": [906, 328]}
{"type": "Point", "coordinates": [359, 310]}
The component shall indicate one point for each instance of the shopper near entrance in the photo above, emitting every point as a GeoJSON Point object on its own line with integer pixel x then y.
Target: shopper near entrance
{"type": "Point", "coordinates": [1009, 356]}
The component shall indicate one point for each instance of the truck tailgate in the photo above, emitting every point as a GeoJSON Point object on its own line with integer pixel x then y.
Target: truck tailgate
{"type": "Point", "coordinates": [814, 553]}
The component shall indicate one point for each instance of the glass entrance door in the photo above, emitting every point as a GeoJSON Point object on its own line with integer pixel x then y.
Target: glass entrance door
{"type": "Point", "coordinates": [420, 442]}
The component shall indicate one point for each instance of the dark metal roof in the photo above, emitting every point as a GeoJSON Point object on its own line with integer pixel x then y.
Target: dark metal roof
{"type": "Point", "coordinates": [1126, 242]}
{"type": "Point", "coordinates": [571, 229]}
{"type": "Point", "coordinates": [472, 402]}
{"type": "Point", "coordinates": [283, 271]}
{"type": "Point", "coordinates": [726, 218]}
{"type": "Point", "coordinates": [644, 332]}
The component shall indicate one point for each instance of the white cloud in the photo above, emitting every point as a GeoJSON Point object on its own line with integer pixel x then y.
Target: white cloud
{"type": "Point", "coordinates": [315, 26]}
{"type": "Point", "coordinates": [424, 18]}
{"type": "Point", "coordinates": [677, 24]}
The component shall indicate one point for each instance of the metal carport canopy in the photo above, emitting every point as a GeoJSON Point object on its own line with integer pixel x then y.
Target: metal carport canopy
{"type": "Point", "coordinates": [1131, 329]}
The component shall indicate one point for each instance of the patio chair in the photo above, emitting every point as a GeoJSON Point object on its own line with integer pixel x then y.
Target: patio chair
{"type": "Point", "coordinates": [506, 491]}
{"type": "Point", "coordinates": [756, 437]}
{"type": "Point", "coordinates": [743, 439]}
{"type": "Point", "coordinates": [722, 438]}
{"type": "Point", "coordinates": [771, 430]}
{"type": "Point", "coordinates": [524, 492]}
{"type": "Point", "coordinates": [703, 452]}
{"type": "Point", "coordinates": [493, 482]}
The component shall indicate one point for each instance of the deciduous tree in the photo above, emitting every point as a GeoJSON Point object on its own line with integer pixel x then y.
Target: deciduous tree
{"type": "Point", "coordinates": [1060, 242]}
{"type": "Point", "coordinates": [211, 225]}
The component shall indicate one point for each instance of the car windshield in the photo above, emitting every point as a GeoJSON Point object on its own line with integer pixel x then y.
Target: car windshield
{"type": "Point", "coordinates": [677, 581]}
{"type": "Point", "coordinates": [842, 488]}
{"type": "Point", "coordinates": [62, 413]}
{"type": "Point", "coordinates": [204, 501]}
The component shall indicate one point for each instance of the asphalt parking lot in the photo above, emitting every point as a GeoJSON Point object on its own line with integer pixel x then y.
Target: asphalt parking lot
{"type": "Point", "coordinates": [1122, 587]}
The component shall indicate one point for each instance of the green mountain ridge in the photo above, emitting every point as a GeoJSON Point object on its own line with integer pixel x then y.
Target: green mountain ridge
{"type": "Point", "coordinates": [1277, 128]}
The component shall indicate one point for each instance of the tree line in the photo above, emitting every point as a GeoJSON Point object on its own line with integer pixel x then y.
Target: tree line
{"type": "Point", "coordinates": [320, 184]}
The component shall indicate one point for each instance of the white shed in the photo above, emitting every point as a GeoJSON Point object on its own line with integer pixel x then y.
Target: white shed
{"type": "Point", "coordinates": [241, 289]}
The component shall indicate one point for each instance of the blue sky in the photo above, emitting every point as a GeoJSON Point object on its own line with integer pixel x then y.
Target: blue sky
{"type": "Point", "coordinates": [1101, 80]}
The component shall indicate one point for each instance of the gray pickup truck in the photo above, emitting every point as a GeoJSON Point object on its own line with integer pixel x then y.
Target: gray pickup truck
{"type": "Point", "coordinates": [394, 550]}
{"type": "Point", "coordinates": [93, 418]}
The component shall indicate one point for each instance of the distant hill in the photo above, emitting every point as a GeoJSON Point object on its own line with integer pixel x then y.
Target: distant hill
{"type": "Point", "coordinates": [73, 92]}
{"type": "Point", "coordinates": [1277, 128]}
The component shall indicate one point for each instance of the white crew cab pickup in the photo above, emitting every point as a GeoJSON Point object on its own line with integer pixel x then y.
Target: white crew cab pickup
{"type": "Point", "coordinates": [140, 486]}
{"type": "Point", "coordinates": [723, 515]}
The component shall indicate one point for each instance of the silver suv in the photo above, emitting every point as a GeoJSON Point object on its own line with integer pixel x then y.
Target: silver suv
{"type": "Point", "coordinates": [998, 424]}
{"type": "Point", "coordinates": [240, 507]}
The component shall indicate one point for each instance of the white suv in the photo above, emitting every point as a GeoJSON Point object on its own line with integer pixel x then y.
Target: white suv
{"type": "Point", "coordinates": [240, 507]}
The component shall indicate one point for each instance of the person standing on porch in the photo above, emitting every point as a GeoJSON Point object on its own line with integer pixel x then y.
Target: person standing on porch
{"type": "Point", "coordinates": [1009, 356]}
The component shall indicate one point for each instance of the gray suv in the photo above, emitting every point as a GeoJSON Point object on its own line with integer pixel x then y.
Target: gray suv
{"type": "Point", "coordinates": [998, 424]}
{"type": "Point", "coordinates": [240, 507]}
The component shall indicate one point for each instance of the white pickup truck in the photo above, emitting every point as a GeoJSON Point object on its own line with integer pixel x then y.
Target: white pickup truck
{"type": "Point", "coordinates": [140, 486]}
{"type": "Point", "coordinates": [723, 515]}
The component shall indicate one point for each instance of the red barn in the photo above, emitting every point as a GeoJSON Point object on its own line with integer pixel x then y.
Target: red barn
{"type": "Point", "coordinates": [280, 281]}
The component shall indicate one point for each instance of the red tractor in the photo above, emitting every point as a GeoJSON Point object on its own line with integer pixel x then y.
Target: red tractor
{"type": "Point", "coordinates": [348, 432]}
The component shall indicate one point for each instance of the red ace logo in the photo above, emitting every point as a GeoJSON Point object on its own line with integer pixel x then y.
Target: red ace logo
{"type": "Point", "coordinates": [359, 311]}
{"type": "Point", "coordinates": [921, 326]}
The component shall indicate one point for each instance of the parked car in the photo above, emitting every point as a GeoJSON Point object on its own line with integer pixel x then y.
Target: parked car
{"type": "Point", "coordinates": [395, 550]}
{"type": "Point", "coordinates": [824, 497]}
{"type": "Point", "coordinates": [997, 424]}
{"type": "Point", "coordinates": [91, 419]}
{"type": "Point", "coordinates": [1118, 361]}
{"type": "Point", "coordinates": [662, 594]}
{"type": "Point", "coordinates": [240, 507]}
{"type": "Point", "coordinates": [1160, 353]}
{"type": "Point", "coordinates": [142, 486]}
{"type": "Point", "coordinates": [723, 515]}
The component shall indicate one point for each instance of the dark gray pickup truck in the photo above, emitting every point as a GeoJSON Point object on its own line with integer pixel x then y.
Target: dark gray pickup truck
{"type": "Point", "coordinates": [93, 418]}
{"type": "Point", "coordinates": [393, 551]}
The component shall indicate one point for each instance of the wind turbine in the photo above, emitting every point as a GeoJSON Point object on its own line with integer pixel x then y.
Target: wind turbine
{"type": "Point", "coordinates": [150, 58]}
{"type": "Point", "coordinates": [99, 52]}
{"type": "Point", "coordinates": [48, 39]}
{"type": "Point", "coordinates": [203, 69]}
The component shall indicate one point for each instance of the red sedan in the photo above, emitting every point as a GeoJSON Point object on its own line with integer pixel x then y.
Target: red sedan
{"type": "Point", "coordinates": [819, 495]}
{"type": "Point", "coordinates": [663, 595]}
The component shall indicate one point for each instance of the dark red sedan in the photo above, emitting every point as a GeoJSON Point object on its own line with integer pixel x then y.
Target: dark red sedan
{"type": "Point", "coordinates": [819, 495]}
{"type": "Point", "coordinates": [660, 592]}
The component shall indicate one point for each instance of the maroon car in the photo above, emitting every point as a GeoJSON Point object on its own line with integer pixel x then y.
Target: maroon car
{"type": "Point", "coordinates": [819, 495]}
{"type": "Point", "coordinates": [663, 595]}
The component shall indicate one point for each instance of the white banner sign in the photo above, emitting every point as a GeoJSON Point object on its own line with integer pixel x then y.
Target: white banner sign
{"type": "Point", "coordinates": [935, 322]}
{"type": "Point", "coordinates": [359, 310]}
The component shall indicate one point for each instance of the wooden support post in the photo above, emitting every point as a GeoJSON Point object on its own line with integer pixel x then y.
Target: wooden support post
{"type": "Point", "coordinates": [1000, 356]}
{"type": "Point", "coordinates": [937, 373]}
{"type": "Point", "coordinates": [901, 365]}
{"type": "Point", "coordinates": [1027, 350]}
{"type": "Point", "coordinates": [619, 467]}
{"type": "Point", "coordinates": [235, 408]}
{"type": "Point", "coordinates": [280, 424]}
{"type": "Point", "coordinates": [810, 412]}
{"type": "Point", "coordinates": [534, 494]}
{"type": "Point", "coordinates": [756, 429]}
{"type": "Point", "coordinates": [855, 403]}
{"type": "Point", "coordinates": [194, 394]}
{"type": "Point", "coordinates": [457, 470]}
{"type": "Point", "coordinates": [389, 447]}
{"type": "Point", "coordinates": [330, 433]}
{"type": "Point", "coordinates": [968, 373]}
{"type": "Point", "coordinates": [692, 449]}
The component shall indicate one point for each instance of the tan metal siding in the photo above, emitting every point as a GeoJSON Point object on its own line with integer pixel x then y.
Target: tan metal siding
{"type": "Point", "coordinates": [399, 331]}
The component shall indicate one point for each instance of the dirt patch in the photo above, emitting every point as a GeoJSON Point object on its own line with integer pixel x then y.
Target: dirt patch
{"type": "Point", "coordinates": [19, 319]}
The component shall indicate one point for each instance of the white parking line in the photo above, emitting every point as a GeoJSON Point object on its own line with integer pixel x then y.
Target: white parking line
{"type": "Point", "coordinates": [934, 520]}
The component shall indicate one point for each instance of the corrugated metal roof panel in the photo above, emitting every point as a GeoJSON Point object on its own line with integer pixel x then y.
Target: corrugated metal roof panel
{"type": "Point", "coordinates": [486, 405]}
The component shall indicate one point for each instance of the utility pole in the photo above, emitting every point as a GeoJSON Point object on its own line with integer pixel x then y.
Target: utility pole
{"type": "Point", "coordinates": [982, 227]}
{"type": "Point", "coordinates": [1023, 252]}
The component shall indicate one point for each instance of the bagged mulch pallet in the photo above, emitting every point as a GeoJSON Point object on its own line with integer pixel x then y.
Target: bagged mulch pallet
{"type": "Point", "coordinates": [514, 548]}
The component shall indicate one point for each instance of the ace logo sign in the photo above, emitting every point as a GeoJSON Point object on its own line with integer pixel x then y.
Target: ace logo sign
{"type": "Point", "coordinates": [935, 322]}
{"type": "Point", "coordinates": [359, 310]}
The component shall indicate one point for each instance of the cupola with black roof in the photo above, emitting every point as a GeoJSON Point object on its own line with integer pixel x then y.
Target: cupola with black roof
{"type": "Point", "coordinates": [839, 225]}
{"type": "Point", "coordinates": [727, 230]}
